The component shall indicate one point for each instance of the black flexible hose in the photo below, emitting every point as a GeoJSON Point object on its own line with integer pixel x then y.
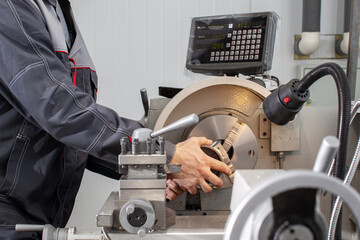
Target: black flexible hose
{"type": "Point", "coordinates": [344, 109]}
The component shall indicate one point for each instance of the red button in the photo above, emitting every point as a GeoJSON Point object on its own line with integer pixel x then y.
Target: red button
{"type": "Point", "coordinates": [286, 100]}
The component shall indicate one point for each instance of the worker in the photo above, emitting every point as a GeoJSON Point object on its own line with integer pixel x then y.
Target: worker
{"type": "Point", "coordinates": [52, 128]}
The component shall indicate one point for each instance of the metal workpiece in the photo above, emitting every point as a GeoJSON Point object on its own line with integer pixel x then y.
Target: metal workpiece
{"type": "Point", "coordinates": [238, 139]}
{"type": "Point", "coordinates": [217, 151]}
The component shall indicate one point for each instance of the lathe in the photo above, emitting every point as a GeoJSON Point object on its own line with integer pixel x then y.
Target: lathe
{"type": "Point", "coordinates": [253, 124]}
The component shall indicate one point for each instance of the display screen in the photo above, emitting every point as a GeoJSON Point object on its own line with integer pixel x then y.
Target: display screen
{"type": "Point", "coordinates": [229, 40]}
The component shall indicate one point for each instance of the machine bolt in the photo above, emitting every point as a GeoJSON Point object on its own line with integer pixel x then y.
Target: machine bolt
{"type": "Point", "coordinates": [148, 146]}
{"type": "Point", "coordinates": [130, 209]}
{"type": "Point", "coordinates": [123, 144]}
{"type": "Point", "coordinates": [135, 146]}
{"type": "Point", "coordinates": [162, 145]}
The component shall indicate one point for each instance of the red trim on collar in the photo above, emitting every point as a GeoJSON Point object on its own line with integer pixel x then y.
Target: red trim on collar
{"type": "Point", "coordinates": [62, 52]}
{"type": "Point", "coordinates": [74, 77]}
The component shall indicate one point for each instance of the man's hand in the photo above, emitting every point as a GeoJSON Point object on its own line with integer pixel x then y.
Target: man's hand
{"type": "Point", "coordinates": [195, 168]}
{"type": "Point", "coordinates": [172, 190]}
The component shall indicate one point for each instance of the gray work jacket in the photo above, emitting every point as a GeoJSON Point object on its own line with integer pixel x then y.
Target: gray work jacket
{"type": "Point", "coordinates": [50, 126]}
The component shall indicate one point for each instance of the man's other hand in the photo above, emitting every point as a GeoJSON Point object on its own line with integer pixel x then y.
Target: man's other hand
{"type": "Point", "coordinates": [196, 168]}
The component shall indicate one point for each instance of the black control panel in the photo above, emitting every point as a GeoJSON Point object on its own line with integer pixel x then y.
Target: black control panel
{"type": "Point", "coordinates": [232, 44]}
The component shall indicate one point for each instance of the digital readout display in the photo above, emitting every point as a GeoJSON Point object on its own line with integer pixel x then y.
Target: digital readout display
{"type": "Point", "coordinates": [229, 40]}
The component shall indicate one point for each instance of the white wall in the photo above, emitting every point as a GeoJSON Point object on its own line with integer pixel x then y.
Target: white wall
{"type": "Point", "coordinates": [143, 43]}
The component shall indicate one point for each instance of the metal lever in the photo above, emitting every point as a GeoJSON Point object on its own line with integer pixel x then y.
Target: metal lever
{"type": "Point", "coordinates": [145, 100]}
{"type": "Point", "coordinates": [181, 123]}
{"type": "Point", "coordinates": [326, 154]}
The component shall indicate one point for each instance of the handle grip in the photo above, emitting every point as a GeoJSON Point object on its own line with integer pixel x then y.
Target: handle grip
{"type": "Point", "coordinates": [145, 100]}
{"type": "Point", "coordinates": [181, 123]}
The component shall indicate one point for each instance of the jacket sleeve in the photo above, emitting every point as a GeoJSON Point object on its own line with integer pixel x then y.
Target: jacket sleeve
{"type": "Point", "coordinates": [42, 90]}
